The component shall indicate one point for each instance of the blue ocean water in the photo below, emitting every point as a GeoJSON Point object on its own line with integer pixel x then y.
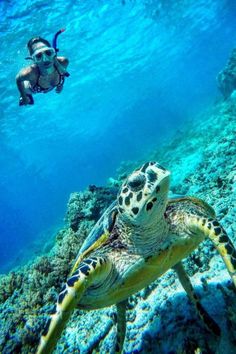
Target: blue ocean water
{"type": "Point", "coordinates": [139, 70]}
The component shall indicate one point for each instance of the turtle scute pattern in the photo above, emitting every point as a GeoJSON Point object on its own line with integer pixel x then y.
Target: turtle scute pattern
{"type": "Point", "coordinates": [138, 238]}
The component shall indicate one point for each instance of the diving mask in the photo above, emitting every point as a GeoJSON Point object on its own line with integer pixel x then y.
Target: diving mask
{"type": "Point", "coordinates": [44, 54]}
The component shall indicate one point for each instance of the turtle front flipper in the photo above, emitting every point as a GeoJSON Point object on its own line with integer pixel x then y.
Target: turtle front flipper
{"type": "Point", "coordinates": [185, 282]}
{"type": "Point", "coordinates": [90, 269]}
{"type": "Point", "coordinates": [215, 232]}
{"type": "Point", "coordinates": [121, 325]}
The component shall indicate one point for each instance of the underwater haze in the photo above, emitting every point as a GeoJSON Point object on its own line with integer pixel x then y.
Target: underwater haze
{"type": "Point", "coordinates": [138, 71]}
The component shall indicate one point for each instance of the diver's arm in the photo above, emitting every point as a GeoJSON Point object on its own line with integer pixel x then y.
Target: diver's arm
{"type": "Point", "coordinates": [20, 85]}
{"type": "Point", "coordinates": [61, 64]}
{"type": "Point", "coordinates": [63, 61]}
{"type": "Point", "coordinates": [23, 75]}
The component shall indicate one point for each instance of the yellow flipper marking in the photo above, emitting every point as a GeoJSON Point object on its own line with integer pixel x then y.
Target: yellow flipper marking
{"type": "Point", "coordinates": [69, 298]}
{"type": "Point", "coordinates": [94, 246]}
{"type": "Point", "coordinates": [215, 232]}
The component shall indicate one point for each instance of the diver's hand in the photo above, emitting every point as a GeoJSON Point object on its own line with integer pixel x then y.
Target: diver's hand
{"type": "Point", "coordinates": [25, 100]}
{"type": "Point", "coordinates": [59, 88]}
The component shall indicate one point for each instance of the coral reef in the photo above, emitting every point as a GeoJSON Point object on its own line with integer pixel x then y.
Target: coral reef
{"type": "Point", "coordinates": [29, 293]}
{"type": "Point", "coordinates": [88, 205]}
{"type": "Point", "coordinates": [160, 317]}
{"type": "Point", "coordinates": [227, 77]}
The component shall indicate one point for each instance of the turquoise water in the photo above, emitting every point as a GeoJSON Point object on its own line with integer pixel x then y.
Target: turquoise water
{"type": "Point", "coordinates": [139, 70]}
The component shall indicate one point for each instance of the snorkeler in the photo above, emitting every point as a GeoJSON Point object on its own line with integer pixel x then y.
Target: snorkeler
{"type": "Point", "coordinates": [47, 72]}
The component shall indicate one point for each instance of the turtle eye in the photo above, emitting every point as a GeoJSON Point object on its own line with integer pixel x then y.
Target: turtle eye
{"type": "Point", "coordinates": [136, 182]}
{"type": "Point", "coordinates": [152, 176]}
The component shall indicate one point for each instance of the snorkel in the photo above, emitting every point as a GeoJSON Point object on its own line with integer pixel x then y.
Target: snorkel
{"type": "Point", "coordinates": [54, 40]}
{"type": "Point", "coordinates": [54, 45]}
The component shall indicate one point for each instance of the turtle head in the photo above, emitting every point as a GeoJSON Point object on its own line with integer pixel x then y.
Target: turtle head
{"type": "Point", "coordinates": [143, 196]}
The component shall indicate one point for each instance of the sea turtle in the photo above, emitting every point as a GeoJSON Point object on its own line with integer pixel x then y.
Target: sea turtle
{"type": "Point", "coordinates": [138, 238]}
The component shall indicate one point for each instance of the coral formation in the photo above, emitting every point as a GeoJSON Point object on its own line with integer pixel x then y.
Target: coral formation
{"type": "Point", "coordinates": [227, 77]}
{"type": "Point", "coordinates": [88, 205]}
{"type": "Point", "coordinates": [160, 317]}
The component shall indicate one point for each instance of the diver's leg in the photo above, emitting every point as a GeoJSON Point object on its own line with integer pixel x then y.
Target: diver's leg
{"type": "Point", "coordinates": [68, 299]}
{"type": "Point", "coordinates": [185, 282]}
{"type": "Point", "coordinates": [121, 325]}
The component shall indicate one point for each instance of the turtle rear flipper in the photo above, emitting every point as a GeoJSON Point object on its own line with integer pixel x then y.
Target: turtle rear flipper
{"type": "Point", "coordinates": [69, 298]}
{"type": "Point", "coordinates": [185, 282]}
{"type": "Point", "coordinates": [121, 325]}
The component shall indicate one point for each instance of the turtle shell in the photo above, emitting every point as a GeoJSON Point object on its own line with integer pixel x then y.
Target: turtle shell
{"type": "Point", "coordinates": [99, 234]}
{"type": "Point", "coordinates": [196, 201]}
